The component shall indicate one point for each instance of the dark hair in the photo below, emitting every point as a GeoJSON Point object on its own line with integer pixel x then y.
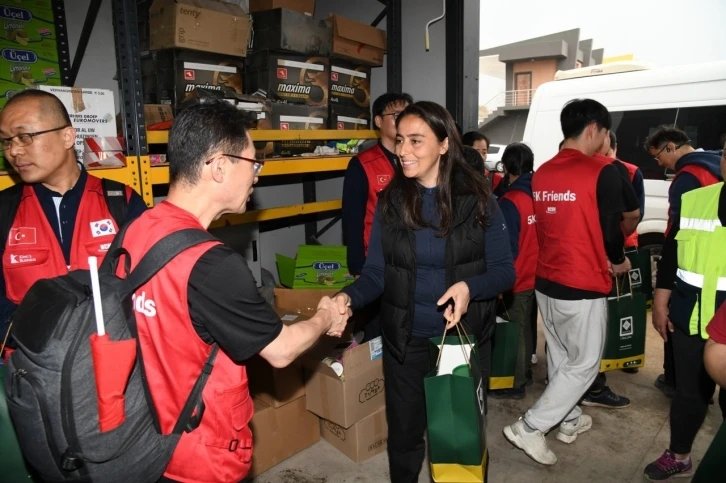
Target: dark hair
{"type": "Point", "coordinates": [613, 140]}
{"type": "Point", "coordinates": [518, 158]}
{"type": "Point", "coordinates": [453, 168]}
{"type": "Point", "coordinates": [473, 158]}
{"type": "Point", "coordinates": [471, 137]}
{"type": "Point", "coordinates": [387, 99]}
{"type": "Point", "coordinates": [51, 104]}
{"type": "Point", "coordinates": [665, 134]}
{"type": "Point", "coordinates": [580, 113]}
{"type": "Point", "coordinates": [722, 141]}
{"type": "Point", "coordinates": [562, 143]}
{"type": "Point", "coordinates": [199, 132]}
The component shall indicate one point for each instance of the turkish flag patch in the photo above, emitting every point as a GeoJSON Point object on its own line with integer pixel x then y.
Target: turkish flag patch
{"type": "Point", "coordinates": [384, 179]}
{"type": "Point", "coordinates": [23, 235]}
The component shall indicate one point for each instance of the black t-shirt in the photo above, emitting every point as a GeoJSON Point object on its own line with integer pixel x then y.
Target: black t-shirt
{"type": "Point", "coordinates": [226, 307]}
{"type": "Point", "coordinates": [615, 196]}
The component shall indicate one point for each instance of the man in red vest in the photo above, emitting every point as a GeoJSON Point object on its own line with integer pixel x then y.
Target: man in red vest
{"type": "Point", "coordinates": [518, 209]}
{"type": "Point", "coordinates": [480, 143]}
{"type": "Point", "coordinates": [580, 247]}
{"type": "Point", "coordinates": [60, 214]}
{"type": "Point", "coordinates": [367, 175]}
{"type": "Point", "coordinates": [694, 169]}
{"type": "Point", "coordinates": [207, 295]}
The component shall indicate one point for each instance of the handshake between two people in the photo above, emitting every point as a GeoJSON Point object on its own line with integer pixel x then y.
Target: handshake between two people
{"type": "Point", "coordinates": [336, 312]}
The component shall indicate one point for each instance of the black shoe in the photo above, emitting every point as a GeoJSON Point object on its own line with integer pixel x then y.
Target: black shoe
{"type": "Point", "coordinates": [605, 399]}
{"type": "Point", "coordinates": [667, 387]}
{"type": "Point", "coordinates": [514, 393]}
{"type": "Point", "coordinates": [631, 370]}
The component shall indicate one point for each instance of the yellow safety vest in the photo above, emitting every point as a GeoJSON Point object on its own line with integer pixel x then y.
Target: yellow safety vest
{"type": "Point", "coordinates": [702, 252]}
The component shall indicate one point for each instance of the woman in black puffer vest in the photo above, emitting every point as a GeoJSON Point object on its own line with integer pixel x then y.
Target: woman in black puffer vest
{"type": "Point", "coordinates": [438, 255]}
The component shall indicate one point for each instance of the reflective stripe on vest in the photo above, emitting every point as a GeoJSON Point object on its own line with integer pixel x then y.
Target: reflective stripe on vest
{"type": "Point", "coordinates": [701, 248]}
{"type": "Point", "coordinates": [704, 176]}
{"type": "Point", "coordinates": [379, 172]}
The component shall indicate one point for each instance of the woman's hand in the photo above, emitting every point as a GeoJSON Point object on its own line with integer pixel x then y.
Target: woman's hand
{"type": "Point", "coordinates": [457, 303]}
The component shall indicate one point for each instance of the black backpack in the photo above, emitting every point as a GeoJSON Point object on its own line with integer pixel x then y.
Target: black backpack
{"type": "Point", "coordinates": [50, 383]}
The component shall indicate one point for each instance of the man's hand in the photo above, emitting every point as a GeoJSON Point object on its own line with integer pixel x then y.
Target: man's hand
{"type": "Point", "coordinates": [623, 268]}
{"type": "Point", "coordinates": [335, 314]}
{"type": "Point", "coordinates": [459, 293]}
{"type": "Point", "coordinates": [661, 321]}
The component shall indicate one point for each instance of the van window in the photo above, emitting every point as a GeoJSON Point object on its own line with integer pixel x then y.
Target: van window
{"type": "Point", "coordinates": [632, 129]}
{"type": "Point", "coordinates": [704, 125]}
{"type": "Point", "coordinates": [493, 149]}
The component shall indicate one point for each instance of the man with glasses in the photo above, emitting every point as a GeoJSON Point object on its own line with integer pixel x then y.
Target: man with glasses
{"type": "Point", "coordinates": [698, 290]}
{"type": "Point", "coordinates": [368, 174]}
{"type": "Point", "coordinates": [60, 214]}
{"type": "Point", "coordinates": [207, 296]}
{"type": "Point", "coordinates": [694, 169]}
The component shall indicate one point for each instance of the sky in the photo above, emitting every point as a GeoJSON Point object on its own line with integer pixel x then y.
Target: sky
{"type": "Point", "coordinates": [660, 33]}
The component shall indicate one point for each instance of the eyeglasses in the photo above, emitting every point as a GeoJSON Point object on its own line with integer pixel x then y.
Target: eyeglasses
{"type": "Point", "coordinates": [675, 149]}
{"type": "Point", "coordinates": [395, 114]}
{"type": "Point", "coordinates": [257, 164]}
{"type": "Point", "coordinates": [26, 138]}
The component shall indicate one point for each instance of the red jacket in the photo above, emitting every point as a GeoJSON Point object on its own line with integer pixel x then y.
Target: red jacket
{"type": "Point", "coordinates": [571, 246]}
{"type": "Point", "coordinates": [220, 449]}
{"type": "Point", "coordinates": [526, 263]}
{"type": "Point", "coordinates": [379, 172]}
{"type": "Point", "coordinates": [632, 239]}
{"type": "Point", "coordinates": [32, 251]}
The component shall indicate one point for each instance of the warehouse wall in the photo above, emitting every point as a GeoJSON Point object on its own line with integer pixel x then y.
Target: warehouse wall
{"type": "Point", "coordinates": [423, 77]}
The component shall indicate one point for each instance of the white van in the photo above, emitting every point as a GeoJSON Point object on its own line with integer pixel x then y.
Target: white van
{"type": "Point", "coordinates": [693, 97]}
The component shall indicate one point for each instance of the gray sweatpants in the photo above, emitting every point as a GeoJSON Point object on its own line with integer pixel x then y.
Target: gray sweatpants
{"type": "Point", "coordinates": [575, 334]}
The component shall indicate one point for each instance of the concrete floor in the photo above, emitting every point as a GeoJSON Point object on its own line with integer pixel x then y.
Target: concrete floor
{"type": "Point", "coordinates": [621, 443]}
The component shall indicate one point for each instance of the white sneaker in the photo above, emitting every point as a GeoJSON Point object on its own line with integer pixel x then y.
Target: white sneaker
{"type": "Point", "coordinates": [534, 443]}
{"type": "Point", "coordinates": [568, 431]}
{"type": "Point", "coordinates": [534, 359]}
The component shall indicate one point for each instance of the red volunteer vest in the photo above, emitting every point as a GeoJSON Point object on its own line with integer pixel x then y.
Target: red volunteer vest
{"type": "Point", "coordinates": [220, 449]}
{"type": "Point", "coordinates": [571, 246]}
{"type": "Point", "coordinates": [632, 239]}
{"type": "Point", "coordinates": [379, 172]}
{"type": "Point", "coordinates": [526, 264]}
{"type": "Point", "coordinates": [702, 174]}
{"type": "Point", "coordinates": [496, 179]}
{"type": "Point", "coordinates": [32, 251]}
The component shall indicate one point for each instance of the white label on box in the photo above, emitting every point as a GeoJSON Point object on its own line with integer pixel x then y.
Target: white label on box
{"type": "Point", "coordinates": [311, 120]}
{"type": "Point", "coordinates": [300, 65]}
{"type": "Point", "coordinates": [250, 106]}
{"type": "Point", "coordinates": [229, 69]}
{"type": "Point", "coordinates": [288, 318]}
{"type": "Point", "coordinates": [376, 346]}
{"type": "Point", "coordinates": [261, 115]}
{"type": "Point", "coordinates": [92, 112]}
{"type": "Point", "coordinates": [343, 70]}
{"type": "Point", "coordinates": [353, 120]}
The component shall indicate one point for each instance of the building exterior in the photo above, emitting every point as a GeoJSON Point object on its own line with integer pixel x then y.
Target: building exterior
{"type": "Point", "coordinates": [529, 64]}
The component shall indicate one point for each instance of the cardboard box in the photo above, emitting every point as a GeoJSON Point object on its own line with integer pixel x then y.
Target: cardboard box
{"type": "Point", "coordinates": [275, 387]}
{"type": "Point", "coordinates": [283, 29]}
{"type": "Point", "coordinates": [292, 78]}
{"type": "Point", "coordinates": [279, 433]}
{"type": "Point", "coordinates": [350, 84]}
{"type": "Point", "coordinates": [294, 117]}
{"type": "Point", "coordinates": [177, 73]}
{"type": "Point", "coordinates": [92, 112]}
{"type": "Point", "coordinates": [29, 25]}
{"type": "Point", "coordinates": [349, 118]}
{"type": "Point", "coordinates": [156, 113]}
{"type": "Point", "coordinates": [365, 439]}
{"type": "Point", "coordinates": [260, 118]}
{"type": "Point", "coordinates": [349, 400]}
{"type": "Point", "coordinates": [206, 25]}
{"type": "Point", "coordinates": [315, 267]}
{"type": "Point", "coordinates": [357, 41]}
{"type": "Point", "coordinates": [302, 6]}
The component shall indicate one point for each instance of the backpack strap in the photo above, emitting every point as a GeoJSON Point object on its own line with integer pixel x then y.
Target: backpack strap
{"type": "Point", "coordinates": [115, 195]}
{"type": "Point", "coordinates": [9, 204]}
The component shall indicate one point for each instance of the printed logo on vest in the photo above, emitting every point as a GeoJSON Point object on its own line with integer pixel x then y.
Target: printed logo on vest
{"type": "Point", "coordinates": [626, 327]}
{"type": "Point", "coordinates": [531, 219]}
{"type": "Point", "coordinates": [24, 235]}
{"type": "Point", "coordinates": [102, 228]}
{"type": "Point", "coordinates": [144, 306]}
{"type": "Point", "coordinates": [551, 210]}
{"type": "Point", "coordinates": [22, 259]}
{"type": "Point", "coordinates": [104, 247]}
{"type": "Point", "coordinates": [384, 179]}
{"type": "Point", "coordinates": [554, 196]}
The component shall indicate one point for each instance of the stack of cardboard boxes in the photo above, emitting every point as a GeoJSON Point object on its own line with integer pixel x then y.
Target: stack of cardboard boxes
{"type": "Point", "coordinates": [305, 73]}
{"type": "Point", "coordinates": [296, 405]}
